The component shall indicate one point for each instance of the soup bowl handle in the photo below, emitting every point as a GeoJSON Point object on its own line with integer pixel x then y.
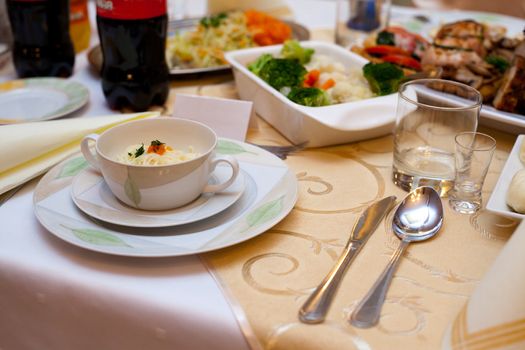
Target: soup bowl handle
{"type": "Point", "coordinates": [231, 161]}
{"type": "Point", "coordinates": [86, 151]}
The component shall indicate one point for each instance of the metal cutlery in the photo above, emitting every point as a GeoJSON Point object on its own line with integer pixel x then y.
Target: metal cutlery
{"type": "Point", "coordinates": [316, 306]}
{"type": "Point", "coordinates": [418, 217]}
{"type": "Point", "coordinates": [283, 151]}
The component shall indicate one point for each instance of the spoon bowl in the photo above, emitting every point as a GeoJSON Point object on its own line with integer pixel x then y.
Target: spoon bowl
{"type": "Point", "coordinates": [417, 218]}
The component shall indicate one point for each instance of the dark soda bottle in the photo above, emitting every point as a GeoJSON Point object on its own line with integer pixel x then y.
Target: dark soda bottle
{"type": "Point", "coordinates": [133, 40]}
{"type": "Point", "coordinates": [41, 42]}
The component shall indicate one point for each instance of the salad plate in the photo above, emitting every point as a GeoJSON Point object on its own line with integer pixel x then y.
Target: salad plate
{"type": "Point", "coordinates": [175, 27]}
{"type": "Point", "coordinates": [37, 99]}
{"type": "Point", "coordinates": [269, 194]}
{"type": "Point", "coordinates": [92, 195]}
{"type": "Point", "coordinates": [498, 198]}
{"type": "Point", "coordinates": [299, 32]}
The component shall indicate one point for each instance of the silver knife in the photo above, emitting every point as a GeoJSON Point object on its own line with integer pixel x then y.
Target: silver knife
{"type": "Point", "coordinates": [316, 306]}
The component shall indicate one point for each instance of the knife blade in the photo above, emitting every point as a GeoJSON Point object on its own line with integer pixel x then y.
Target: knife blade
{"type": "Point", "coordinates": [316, 306]}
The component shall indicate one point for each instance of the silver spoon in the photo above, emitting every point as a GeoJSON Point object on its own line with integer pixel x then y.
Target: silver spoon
{"type": "Point", "coordinates": [418, 217]}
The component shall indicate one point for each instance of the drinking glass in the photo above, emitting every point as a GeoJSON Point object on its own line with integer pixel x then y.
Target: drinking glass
{"type": "Point", "coordinates": [430, 113]}
{"type": "Point", "coordinates": [474, 152]}
{"type": "Point", "coordinates": [177, 9]}
{"type": "Point", "coordinates": [357, 19]}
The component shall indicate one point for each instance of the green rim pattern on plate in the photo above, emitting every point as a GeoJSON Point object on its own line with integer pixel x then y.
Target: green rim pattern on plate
{"type": "Point", "coordinates": [77, 94]}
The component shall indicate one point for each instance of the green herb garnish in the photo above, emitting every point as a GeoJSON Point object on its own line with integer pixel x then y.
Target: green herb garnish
{"type": "Point", "coordinates": [139, 151]}
{"type": "Point", "coordinates": [213, 21]}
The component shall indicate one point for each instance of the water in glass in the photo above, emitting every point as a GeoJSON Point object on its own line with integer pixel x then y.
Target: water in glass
{"type": "Point", "coordinates": [429, 115]}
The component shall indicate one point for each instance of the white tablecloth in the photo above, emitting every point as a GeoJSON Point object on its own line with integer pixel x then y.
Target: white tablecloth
{"type": "Point", "coordinates": [57, 296]}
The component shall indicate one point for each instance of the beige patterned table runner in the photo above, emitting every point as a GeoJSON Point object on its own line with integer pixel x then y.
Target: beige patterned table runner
{"type": "Point", "coordinates": [269, 277]}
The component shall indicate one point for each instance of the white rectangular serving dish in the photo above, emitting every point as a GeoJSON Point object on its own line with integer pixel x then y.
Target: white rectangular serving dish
{"type": "Point", "coordinates": [497, 201]}
{"type": "Point", "coordinates": [320, 126]}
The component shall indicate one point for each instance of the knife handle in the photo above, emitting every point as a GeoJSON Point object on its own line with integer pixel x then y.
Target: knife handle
{"type": "Point", "coordinates": [316, 306]}
{"type": "Point", "coordinates": [368, 311]}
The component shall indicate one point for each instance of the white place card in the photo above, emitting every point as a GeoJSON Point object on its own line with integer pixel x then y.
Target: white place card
{"type": "Point", "coordinates": [228, 118]}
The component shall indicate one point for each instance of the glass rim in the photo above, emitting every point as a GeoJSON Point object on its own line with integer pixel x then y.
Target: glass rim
{"type": "Point", "coordinates": [476, 134]}
{"type": "Point", "coordinates": [476, 104]}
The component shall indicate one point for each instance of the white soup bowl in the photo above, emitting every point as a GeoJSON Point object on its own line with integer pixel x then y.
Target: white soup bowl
{"type": "Point", "coordinates": [158, 187]}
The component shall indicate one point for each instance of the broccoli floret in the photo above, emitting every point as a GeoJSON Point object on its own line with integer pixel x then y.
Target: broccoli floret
{"type": "Point", "coordinates": [385, 38]}
{"type": "Point", "coordinates": [498, 62]}
{"type": "Point", "coordinates": [293, 50]}
{"type": "Point", "coordinates": [257, 65]}
{"type": "Point", "coordinates": [309, 96]}
{"type": "Point", "coordinates": [281, 72]}
{"type": "Point", "coordinates": [383, 78]}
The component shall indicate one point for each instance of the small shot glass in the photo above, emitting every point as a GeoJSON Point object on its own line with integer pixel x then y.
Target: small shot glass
{"type": "Point", "coordinates": [474, 152]}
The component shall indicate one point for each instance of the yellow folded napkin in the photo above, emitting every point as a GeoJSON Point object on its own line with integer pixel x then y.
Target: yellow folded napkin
{"type": "Point", "coordinates": [32, 148]}
{"type": "Point", "coordinates": [494, 316]}
{"type": "Point", "coordinates": [277, 8]}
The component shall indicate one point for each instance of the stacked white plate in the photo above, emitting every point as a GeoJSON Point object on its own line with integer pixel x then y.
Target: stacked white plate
{"type": "Point", "coordinates": [74, 203]}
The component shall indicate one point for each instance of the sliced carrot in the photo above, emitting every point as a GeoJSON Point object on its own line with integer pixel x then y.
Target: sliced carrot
{"type": "Point", "coordinates": [328, 84]}
{"type": "Point", "coordinates": [158, 149]}
{"type": "Point", "coordinates": [265, 29]}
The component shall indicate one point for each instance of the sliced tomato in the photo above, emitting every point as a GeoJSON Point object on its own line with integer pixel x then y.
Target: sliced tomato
{"type": "Point", "coordinates": [404, 61]}
{"type": "Point", "coordinates": [382, 50]}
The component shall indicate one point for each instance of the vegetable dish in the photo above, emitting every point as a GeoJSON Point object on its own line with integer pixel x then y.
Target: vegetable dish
{"type": "Point", "coordinates": [315, 80]}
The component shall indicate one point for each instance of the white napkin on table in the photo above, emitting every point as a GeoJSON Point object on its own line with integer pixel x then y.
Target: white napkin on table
{"type": "Point", "coordinates": [494, 317]}
{"type": "Point", "coordinates": [30, 149]}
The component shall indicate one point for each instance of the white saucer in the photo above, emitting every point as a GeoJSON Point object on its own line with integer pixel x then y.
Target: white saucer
{"type": "Point", "coordinates": [92, 195]}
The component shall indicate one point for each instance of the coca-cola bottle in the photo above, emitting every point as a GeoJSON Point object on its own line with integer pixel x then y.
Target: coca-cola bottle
{"type": "Point", "coordinates": [41, 42]}
{"type": "Point", "coordinates": [133, 40]}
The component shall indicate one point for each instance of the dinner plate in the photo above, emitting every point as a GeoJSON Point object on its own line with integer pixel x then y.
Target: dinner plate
{"type": "Point", "coordinates": [426, 22]}
{"type": "Point", "coordinates": [92, 195]}
{"type": "Point", "coordinates": [498, 198]}
{"type": "Point", "coordinates": [37, 99]}
{"type": "Point", "coordinates": [95, 57]}
{"type": "Point", "coordinates": [270, 194]}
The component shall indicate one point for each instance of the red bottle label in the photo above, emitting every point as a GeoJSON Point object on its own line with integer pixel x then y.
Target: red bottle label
{"type": "Point", "coordinates": [131, 9]}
